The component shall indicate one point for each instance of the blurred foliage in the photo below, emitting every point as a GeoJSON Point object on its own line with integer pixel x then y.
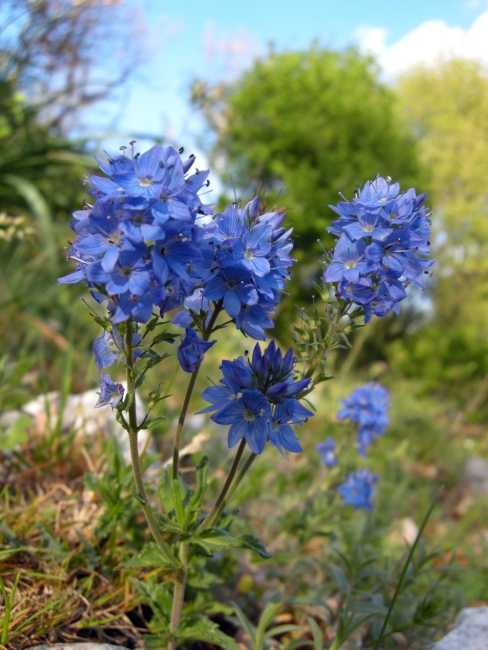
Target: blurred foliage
{"type": "Point", "coordinates": [58, 51]}
{"type": "Point", "coordinates": [446, 106]}
{"type": "Point", "coordinates": [299, 127]}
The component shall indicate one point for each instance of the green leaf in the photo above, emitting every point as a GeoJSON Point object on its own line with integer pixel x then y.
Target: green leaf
{"type": "Point", "coordinates": [281, 629]}
{"type": "Point", "coordinates": [153, 422]}
{"type": "Point", "coordinates": [166, 492]}
{"type": "Point", "coordinates": [339, 576]}
{"type": "Point", "coordinates": [122, 421]}
{"type": "Point", "coordinates": [150, 556]}
{"type": "Point", "coordinates": [196, 501]}
{"type": "Point", "coordinates": [180, 511]}
{"type": "Point", "coordinates": [10, 537]}
{"type": "Point", "coordinates": [318, 637]}
{"type": "Point", "coordinates": [165, 523]}
{"type": "Point", "coordinates": [51, 542]}
{"type": "Point", "coordinates": [298, 643]}
{"type": "Point", "coordinates": [164, 336]}
{"type": "Point", "coordinates": [204, 630]}
{"type": "Point", "coordinates": [151, 325]}
{"type": "Point", "coordinates": [270, 611]}
{"type": "Point", "coordinates": [89, 552]}
{"type": "Point", "coordinates": [216, 539]}
{"type": "Point", "coordinates": [245, 622]}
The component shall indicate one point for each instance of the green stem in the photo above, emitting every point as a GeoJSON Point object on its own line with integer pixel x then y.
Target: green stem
{"type": "Point", "coordinates": [181, 422]}
{"type": "Point", "coordinates": [179, 591]}
{"type": "Point", "coordinates": [221, 499]}
{"type": "Point", "coordinates": [189, 391]}
{"type": "Point", "coordinates": [134, 449]}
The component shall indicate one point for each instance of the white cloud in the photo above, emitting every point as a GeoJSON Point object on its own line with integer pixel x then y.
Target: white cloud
{"type": "Point", "coordinates": [425, 44]}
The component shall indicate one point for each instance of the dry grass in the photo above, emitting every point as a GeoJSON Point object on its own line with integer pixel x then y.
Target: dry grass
{"type": "Point", "coordinates": [65, 591]}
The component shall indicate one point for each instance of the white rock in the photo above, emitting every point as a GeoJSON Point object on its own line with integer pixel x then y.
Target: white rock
{"type": "Point", "coordinates": [79, 414]}
{"type": "Point", "coordinates": [470, 631]}
{"type": "Point", "coordinates": [476, 474]}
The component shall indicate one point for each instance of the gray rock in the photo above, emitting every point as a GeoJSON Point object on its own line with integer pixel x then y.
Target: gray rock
{"type": "Point", "coordinates": [470, 631]}
{"type": "Point", "coordinates": [476, 474]}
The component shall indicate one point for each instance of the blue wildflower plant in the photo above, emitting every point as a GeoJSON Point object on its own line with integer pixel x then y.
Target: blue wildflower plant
{"type": "Point", "coordinates": [171, 272]}
{"type": "Point", "coordinates": [368, 407]}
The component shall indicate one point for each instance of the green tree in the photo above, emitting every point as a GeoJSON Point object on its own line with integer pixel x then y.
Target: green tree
{"type": "Point", "coordinates": [299, 127]}
{"type": "Point", "coordinates": [446, 106]}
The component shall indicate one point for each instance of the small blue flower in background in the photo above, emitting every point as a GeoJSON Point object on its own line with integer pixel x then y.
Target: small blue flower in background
{"type": "Point", "coordinates": [326, 450]}
{"type": "Point", "coordinates": [192, 350]}
{"type": "Point", "coordinates": [384, 245]}
{"type": "Point", "coordinates": [367, 405]}
{"type": "Point", "coordinates": [359, 489]}
{"type": "Point", "coordinates": [111, 394]}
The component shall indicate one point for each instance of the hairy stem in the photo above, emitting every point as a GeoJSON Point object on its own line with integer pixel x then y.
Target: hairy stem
{"type": "Point", "coordinates": [179, 592]}
{"type": "Point", "coordinates": [221, 500]}
{"type": "Point", "coordinates": [134, 449]}
{"type": "Point", "coordinates": [189, 391]}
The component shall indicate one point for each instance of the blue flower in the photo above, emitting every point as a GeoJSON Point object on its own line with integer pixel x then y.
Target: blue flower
{"type": "Point", "coordinates": [143, 175]}
{"type": "Point", "coordinates": [232, 285]}
{"type": "Point", "coordinates": [348, 261]}
{"type": "Point", "coordinates": [248, 416]}
{"type": "Point", "coordinates": [359, 489]}
{"type": "Point", "coordinates": [192, 350]}
{"type": "Point", "coordinates": [326, 450]}
{"type": "Point", "coordinates": [281, 434]}
{"type": "Point", "coordinates": [108, 348]}
{"type": "Point", "coordinates": [110, 393]}
{"type": "Point", "coordinates": [253, 248]}
{"type": "Point", "coordinates": [368, 406]}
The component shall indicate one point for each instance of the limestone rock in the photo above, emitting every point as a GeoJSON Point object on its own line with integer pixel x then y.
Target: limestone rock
{"type": "Point", "coordinates": [476, 474]}
{"type": "Point", "coordinates": [470, 631]}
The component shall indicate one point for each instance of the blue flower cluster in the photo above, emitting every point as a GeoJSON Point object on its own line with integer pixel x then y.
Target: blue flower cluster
{"type": "Point", "coordinates": [139, 243]}
{"type": "Point", "coordinates": [359, 489]}
{"type": "Point", "coordinates": [245, 262]}
{"type": "Point", "coordinates": [384, 245]}
{"type": "Point", "coordinates": [258, 399]}
{"type": "Point", "coordinates": [367, 405]}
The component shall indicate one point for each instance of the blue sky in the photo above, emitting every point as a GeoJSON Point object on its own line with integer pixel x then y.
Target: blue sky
{"type": "Point", "coordinates": [218, 39]}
